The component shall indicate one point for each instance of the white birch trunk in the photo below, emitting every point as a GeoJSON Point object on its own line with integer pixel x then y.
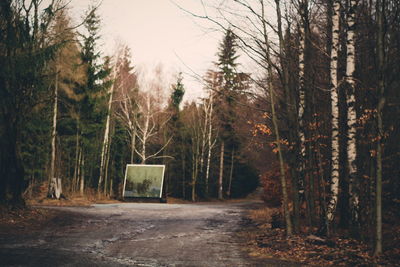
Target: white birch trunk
{"type": "Point", "coordinates": [351, 112]}
{"type": "Point", "coordinates": [143, 128]}
{"type": "Point", "coordinates": [204, 138]}
{"type": "Point", "coordinates": [145, 132]}
{"type": "Point", "coordinates": [107, 162]}
{"type": "Point", "coordinates": [54, 190]}
{"type": "Point", "coordinates": [302, 104]}
{"type": "Point", "coordinates": [183, 175]}
{"type": "Point", "coordinates": [133, 141]}
{"type": "Point", "coordinates": [221, 172]}
{"type": "Point", "coordinates": [228, 192]}
{"type": "Point", "coordinates": [78, 168]}
{"type": "Point", "coordinates": [195, 165]}
{"type": "Point", "coordinates": [334, 187]}
{"type": "Point", "coordinates": [106, 142]}
{"type": "Point", "coordinates": [82, 184]}
{"type": "Point", "coordinates": [209, 139]}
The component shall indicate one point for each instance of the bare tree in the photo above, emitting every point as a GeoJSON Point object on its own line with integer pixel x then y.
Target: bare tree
{"type": "Point", "coordinates": [146, 126]}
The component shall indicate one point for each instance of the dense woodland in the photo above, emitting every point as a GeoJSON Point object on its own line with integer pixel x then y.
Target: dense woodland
{"type": "Point", "coordinates": [316, 122]}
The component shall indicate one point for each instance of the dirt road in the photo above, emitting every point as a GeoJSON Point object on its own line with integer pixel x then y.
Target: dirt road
{"type": "Point", "coordinates": [133, 234]}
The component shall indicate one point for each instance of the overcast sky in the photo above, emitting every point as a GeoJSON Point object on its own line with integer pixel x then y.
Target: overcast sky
{"type": "Point", "coordinates": [158, 32]}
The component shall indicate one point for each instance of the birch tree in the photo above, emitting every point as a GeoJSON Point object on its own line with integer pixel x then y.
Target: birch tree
{"type": "Point", "coordinates": [303, 29]}
{"type": "Point", "coordinates": [211, 137]}
{"type": "Point", "coordinates": [351, 113]}
{"type": "Point", "coordinates": [209, 129]}
{"type": "Point", "coordinates": [106, 138]}
{"type": "Point", "coordinates": [196, 141]}
{"type": "Point", "coordinates": [127, 113]}
{"type": "Point", "coordinates": [147, 128]}
{"type": "Point", "coordinates": [334, 186]}
{"type": "Point", "coordinates": [221, 172]}
{"type": "Point", "coordinates": [54, 190]}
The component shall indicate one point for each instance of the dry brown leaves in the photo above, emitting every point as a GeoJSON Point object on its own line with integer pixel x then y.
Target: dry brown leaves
{"type": "Point", "coordinates": [266, 242]}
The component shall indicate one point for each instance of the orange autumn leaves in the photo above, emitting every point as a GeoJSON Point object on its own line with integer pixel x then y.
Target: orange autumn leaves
{"type": "Point", "coordinates": [262, 129]}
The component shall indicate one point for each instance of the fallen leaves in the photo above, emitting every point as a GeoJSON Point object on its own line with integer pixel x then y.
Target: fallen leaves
{"type": "Point", "coordinates": [313, 250]}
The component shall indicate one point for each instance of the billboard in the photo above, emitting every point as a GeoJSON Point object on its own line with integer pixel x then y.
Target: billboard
{"type": "Point", "coordinates": [143, 180]}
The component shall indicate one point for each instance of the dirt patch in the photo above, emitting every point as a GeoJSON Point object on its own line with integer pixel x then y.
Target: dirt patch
{"type": "Point", "coordinates": [26, 218]}
{"type": "Point", "coordinates": [268, 242]}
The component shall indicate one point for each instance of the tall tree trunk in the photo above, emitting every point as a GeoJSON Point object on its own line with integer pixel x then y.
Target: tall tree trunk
{"type": "Point", "coordinates": [82, 179]}
{"type": "Point", "coordinates": [133, 144]}
{"type": "Point", "coordinates": [285, 198]}
{"type": "Point", "coordinates": [194, 177]}
{"type": "Point", "coordinates": [334, 186]}
{"type": "Point", "coordinates": [221, 172]}
{"type": "Point", "coordinates": [106, 139]}
{"type": "Point", "coordinates": [380, 13]}
{"type": "Point", "coordinates": [195, 161]}
{"type": "Point", "coordinates": [228, 192]}
{"type": "Point", "coordinates": [78, 170]}
{"type": "Point", "coordinates": [302, 93]}
{"type": "Point", "coordinates": [183, 174]}
{"type": "Point", "coordinates": [291, 117]}
{"type": "Point", "coordinates": [107, 162]}
{"type": "Point", "coordinates": [54, 190]}
{"type": "Point", "coordinates": [210, 145]}
{"type": "Point", "coordinates": [352, 116]}
{"type": "Point", "coordinates": [77, 160]}
{"type": "Point", "coordinates": [145, 131]}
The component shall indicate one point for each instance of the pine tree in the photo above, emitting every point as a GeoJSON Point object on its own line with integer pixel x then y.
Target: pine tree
{"type": "Point", "coordinates": [24, 54]}
{"type": "Point", "coordinates": [92, 112]}
{"type": "Point", "coordinates": [228, 92]}
{"type": "Point", "coordinates": [175, 129]}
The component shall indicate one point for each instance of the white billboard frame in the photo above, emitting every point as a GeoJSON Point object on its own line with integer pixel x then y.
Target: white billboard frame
{"type": "Point", "coordinates": [144, 165]}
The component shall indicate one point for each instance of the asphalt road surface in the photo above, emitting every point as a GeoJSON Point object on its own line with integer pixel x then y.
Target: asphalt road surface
{"type": "Point", "coordinates": [134, 234]}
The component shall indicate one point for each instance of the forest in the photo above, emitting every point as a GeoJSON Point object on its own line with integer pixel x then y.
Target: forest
{"type": "Point", "coordinates": [316, 122]}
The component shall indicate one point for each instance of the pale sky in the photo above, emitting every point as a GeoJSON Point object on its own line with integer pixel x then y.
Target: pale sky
{"type": "Point", "coordinates": [158, 32]}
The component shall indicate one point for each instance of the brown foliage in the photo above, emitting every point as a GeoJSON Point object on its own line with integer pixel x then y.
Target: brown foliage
{"type": "Point", "coordinates": [272, 192]}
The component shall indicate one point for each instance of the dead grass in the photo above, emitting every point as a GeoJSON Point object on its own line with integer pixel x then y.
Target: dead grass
{"type": "Point", "coordinates": [39, 198]}
{"type": "Point", "coordinates": [263, 215]}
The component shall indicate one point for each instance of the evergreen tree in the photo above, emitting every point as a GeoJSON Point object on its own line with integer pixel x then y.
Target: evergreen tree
{"type": "Point", "coordinates": [227, 57]}
{"type": "Point", "coordinates": [93, 103]}
{"type": "Point", "coordinates": [231, 83]}
{"type": "Point", "coordinates": [24, 54]}
{"type": "Point", "coordinates": [176, 149]}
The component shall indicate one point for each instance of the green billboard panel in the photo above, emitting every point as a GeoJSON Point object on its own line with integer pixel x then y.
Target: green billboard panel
{"type": "Point", "coordinates": [143, 181]}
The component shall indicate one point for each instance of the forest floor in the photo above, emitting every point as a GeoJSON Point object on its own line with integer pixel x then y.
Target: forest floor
{"type": "Point", "coordinates": [268, 242]}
